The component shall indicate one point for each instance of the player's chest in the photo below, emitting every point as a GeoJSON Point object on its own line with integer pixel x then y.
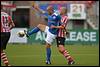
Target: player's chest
{"type": "Point", "coordinates": [50, 18]}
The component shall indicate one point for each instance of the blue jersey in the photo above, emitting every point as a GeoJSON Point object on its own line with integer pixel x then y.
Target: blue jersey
{"type": "Point", "coordinates": [54, 19]}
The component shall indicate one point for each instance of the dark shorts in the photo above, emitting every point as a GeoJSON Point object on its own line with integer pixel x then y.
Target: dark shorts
{"type": "Point", "coordinates": [4, 39]}
{"type": "Point", "coordinates": [60, 41]}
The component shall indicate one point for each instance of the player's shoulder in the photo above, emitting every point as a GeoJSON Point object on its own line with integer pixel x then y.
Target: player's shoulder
{"type": "Point", "coordinates": [56, 13]}
{"type": "Point", "coordinates": [4, 13]}
{"type": "Point", "coordinates": [65, 16]}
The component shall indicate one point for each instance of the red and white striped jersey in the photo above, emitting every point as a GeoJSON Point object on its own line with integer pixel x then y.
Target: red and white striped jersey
{"type": "Point", "coordinates": [5, 22]}
{"type": "Point", "coordinates": [64, 22]}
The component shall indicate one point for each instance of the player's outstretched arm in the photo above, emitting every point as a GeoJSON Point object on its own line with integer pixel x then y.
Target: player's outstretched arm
{"type": "Point", "coordinates": [59, 27]}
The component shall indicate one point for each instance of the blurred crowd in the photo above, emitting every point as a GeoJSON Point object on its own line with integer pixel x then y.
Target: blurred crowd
{"type": "Point", "coordinates": [92, 8]}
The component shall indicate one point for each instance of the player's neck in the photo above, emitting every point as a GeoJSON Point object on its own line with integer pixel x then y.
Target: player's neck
{"type": "Point", "coordinates": [2, 10]}
{"type": "Point", "coordinates": [63, 14]}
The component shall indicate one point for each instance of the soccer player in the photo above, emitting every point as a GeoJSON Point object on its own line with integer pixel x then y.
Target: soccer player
{"type": "Point", "coordinates": [53, 20]}
{"type": "Point", "coordinates": [60, 39]}
{"type": "Point", "coordinates": [61, 36]}
{"type": "Point", "coordinates": [6, 25]}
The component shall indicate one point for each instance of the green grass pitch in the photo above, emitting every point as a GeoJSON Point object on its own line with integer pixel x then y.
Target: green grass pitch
{"type": "Point", "coordinates": [34, 55]}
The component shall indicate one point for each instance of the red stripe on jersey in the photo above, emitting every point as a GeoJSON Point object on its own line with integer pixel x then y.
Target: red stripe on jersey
{"type": "Point", "coordinates": [64, 23]}
{"type": "Point", "coordinates": [2, 19]}
{"type": "Point", "coordinates": [61, 33]}
{"type": "Point", "coordinates": [5, 20]}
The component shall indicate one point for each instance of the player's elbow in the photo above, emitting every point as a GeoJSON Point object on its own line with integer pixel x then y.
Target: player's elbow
{"type": "Point", "coordinates": [39, 25]}
{"type": "Point", "coordinates": [12, 24]}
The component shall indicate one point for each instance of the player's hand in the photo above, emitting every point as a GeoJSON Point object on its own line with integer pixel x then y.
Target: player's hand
{"type": "Point", "coordinates": [67, 33]}
{"type": "Point", "coordinates": [35, 5]}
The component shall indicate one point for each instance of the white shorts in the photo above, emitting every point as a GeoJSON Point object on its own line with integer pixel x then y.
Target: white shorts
{"type": "Point", "coordinates": [49, 36]}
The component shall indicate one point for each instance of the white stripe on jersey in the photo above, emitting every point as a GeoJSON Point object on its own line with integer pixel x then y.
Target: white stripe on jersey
{"type": "Point", "coordinates": [5, 22]}
{"type": "Point", "coordinates": [64, 23]}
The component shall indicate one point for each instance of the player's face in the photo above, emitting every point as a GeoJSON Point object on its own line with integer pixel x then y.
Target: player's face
{"type": "Point", "coordinates": [62, 10]}
{"type": "Point", "coordinates": [50, 10]}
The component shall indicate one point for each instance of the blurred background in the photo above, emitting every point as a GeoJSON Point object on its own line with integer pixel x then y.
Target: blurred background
{"type": "Point", "coordinates": [82, 43]}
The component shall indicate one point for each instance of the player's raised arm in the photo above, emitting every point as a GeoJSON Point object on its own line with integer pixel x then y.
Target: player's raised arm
{"type": "Point", "coordinates": [59, 27]}
{"type": "Point", "coordinates": [36, 6]}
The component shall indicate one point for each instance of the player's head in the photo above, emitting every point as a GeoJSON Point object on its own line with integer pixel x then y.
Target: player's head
{"type": "Point", "coordinates": [63, 10]}
{"type": "Point", "coordinates": [3, 6]}
{"type": "Point", "coordinates": [6, 6]}
{"type": "Point", "coordinates": [50, 10]}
